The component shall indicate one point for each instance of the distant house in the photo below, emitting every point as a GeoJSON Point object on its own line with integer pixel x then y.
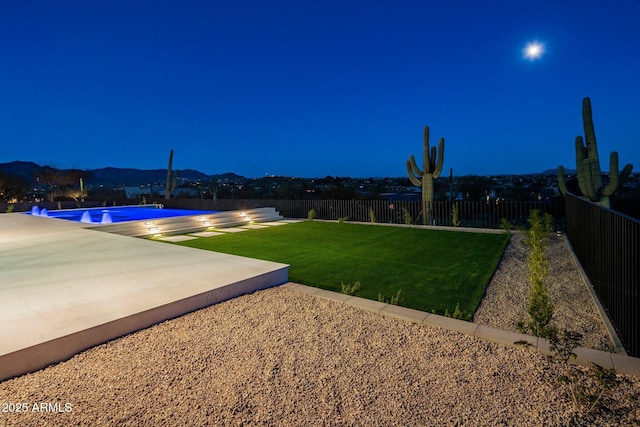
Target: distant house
{"type": "Point", "coordinates": [138, 191]}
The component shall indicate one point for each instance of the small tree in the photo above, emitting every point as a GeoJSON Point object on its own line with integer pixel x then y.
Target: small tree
{"type": "Point", "coordinates": [539, 308]}
{"type": "Point", "coordinates": [455, 215]}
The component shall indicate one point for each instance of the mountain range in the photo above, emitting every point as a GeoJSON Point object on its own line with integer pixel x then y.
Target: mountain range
{"type": "Point", "coordinates": [110, 176]}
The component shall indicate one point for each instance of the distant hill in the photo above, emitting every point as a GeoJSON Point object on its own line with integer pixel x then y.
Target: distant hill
{"type": "Point", "coordinates": [555, 171]}
{"type": "Point", "coordinates": [110, 176]}
{"type": "Point", "coordinates": [27, 170]}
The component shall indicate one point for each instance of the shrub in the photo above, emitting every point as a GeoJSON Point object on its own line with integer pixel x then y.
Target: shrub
{"type": "Point", "coordinates": [407, 216]}
{"type": "Point", "coordinates": [539, 308]}
{"type": "Point", "coordinates": [455, 215]}
{"type": "Point", "coordinates": [506, 225]}
{"type": "Point", "coordinates": [311, 215]}
{"type": "Point", "coordinates": [342, 219]}
{"type": "Point", "coordinates": [350, 289]}
{"type": "Point", "coordinates": [372, 215]}
{"type": "Point", "coordinates": [391, 300]}
{"type": "Point", "coordinates": [458, 314]}
{"type": "Point", "coordinates": [586, 389]}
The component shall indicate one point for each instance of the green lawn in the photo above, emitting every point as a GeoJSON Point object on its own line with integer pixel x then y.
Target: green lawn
{"type": "Point", "coordinates": [434, 269]}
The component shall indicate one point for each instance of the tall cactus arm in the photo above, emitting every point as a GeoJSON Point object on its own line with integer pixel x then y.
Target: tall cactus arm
{"type": "Point", "coordinates": [596, 177]}
{"type": "Point", "coordinates": [590, 134]}
{"type": "Point", "coordinates": [440, 161]}
{"type": "Point", "coordinates": [426, 155]}
{"type": "Point", "coordinates": [431, 166]}
{"type": "Point", "coordinates": [170, 185]}
{"type": "Point", "coordinates": [615, 177]}
{"type": "Point", "coordinates": [585, 172]}
{"type": "Point", "coordinates": [562, 184]}
{"type": "Point", "coordinates": [414, 172]}
{"type": "Point", "coordinates": [589, 186]}
{"type": "Point", "coordinates": [626, 171]}
{"type": "Point", "coordinates": [581, 150]}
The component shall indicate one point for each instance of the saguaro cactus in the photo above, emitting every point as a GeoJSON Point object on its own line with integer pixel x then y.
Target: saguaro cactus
{"type": "Point", "coordinates": [588, 165]}
{"type": "Point", "coordinates": [172, 181]}
{"type": "Point", "coordinates": [432, 162]}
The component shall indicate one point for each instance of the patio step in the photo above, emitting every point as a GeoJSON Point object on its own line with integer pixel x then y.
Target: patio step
{"type": "Point", "coordinates": [188, 224]}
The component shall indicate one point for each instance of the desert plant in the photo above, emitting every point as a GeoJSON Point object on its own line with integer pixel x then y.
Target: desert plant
{"type": "Point", "coordinates": [10, 208]}
{"type": "Point", "coordinates": [563, 345]}
{"type": "Point", "coordinates": [407, 216]}
{"type": "Point", "coordinates": [311, 214]}
{"type": "Point", "coordinates": [212, 186]}
{"type": "Point", "coordinates": [432, 163]}
{"type": "Point", "coordinates": [372, 215]}
{"type": "Point", "coordinates": [586, 389]}
{"type": "Point", "coordinates": [393, 300]}
{"type": "Point", "coordinates": [455, 215]}
{"type": "Point", "coordinates": [588, 165]}
{"type": "Point", "coordinates": [539, 307]}
{"type": "Point", "coordinates": [83, 194]}
{"type": "Point", "coordinates": [506, 225]}
{"type": "Point", "coordinates": [172, 180]}
{"type": "Point", "coordinates": [457, 313]}
{"type": "Point", "coordinates": [350, 289]}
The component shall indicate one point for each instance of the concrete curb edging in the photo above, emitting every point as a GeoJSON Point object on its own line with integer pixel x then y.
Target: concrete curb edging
{"type": "Point", "coordinates": [623, 364]}
{"type": "Point", "coordinates": [423, 227]}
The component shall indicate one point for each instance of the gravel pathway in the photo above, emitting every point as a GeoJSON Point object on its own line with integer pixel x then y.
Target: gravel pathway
{"type": "Point", "coordinates": [280, 357]}
{"type": "Point", "coordinates": [505, 300]}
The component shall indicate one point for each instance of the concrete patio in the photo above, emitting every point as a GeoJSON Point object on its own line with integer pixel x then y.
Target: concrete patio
{"type": "Point", "coordinates": [64, 288]}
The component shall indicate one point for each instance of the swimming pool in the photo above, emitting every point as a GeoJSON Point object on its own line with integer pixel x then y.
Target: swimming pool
{"type": "Point", "coordinates": [112, 214]}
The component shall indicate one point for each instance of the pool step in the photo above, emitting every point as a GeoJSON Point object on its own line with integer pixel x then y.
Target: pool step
{"type": "Point", "coordinates": [187, 224]}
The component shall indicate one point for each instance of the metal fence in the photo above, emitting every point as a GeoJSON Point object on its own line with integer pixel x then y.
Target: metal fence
{"type": "Point", "coordinates": [475, 214]}
{"type": "Point", "coordinates": [470, 214]}
{"type": "Point", "coordinates": [607, 244]}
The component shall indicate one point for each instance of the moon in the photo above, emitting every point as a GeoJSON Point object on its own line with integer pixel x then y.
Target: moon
{"type": "Point", "coordinates": [533, 50]}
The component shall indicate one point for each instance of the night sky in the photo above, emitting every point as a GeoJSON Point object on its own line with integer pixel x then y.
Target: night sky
{"type": "Point", "coordinates": [310, 89]}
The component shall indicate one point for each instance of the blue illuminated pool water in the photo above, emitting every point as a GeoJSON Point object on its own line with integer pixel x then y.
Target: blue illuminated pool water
{"type": "Point", "coordinates": [119, 213]}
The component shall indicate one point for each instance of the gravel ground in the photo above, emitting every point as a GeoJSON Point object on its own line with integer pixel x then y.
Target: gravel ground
{"type": "Point", "coordinates": [505, 300]}
{"type": "Point", "coordinates": [279, 357]}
